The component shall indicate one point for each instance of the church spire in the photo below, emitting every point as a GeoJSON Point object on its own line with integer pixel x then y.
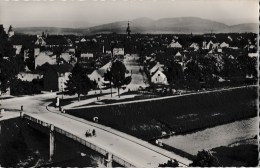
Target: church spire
{"type": "Point", "coordinates": [10, 28]}
{"type": "Point", "coordinates": [10, 31]}
{"type": "Point", "coordinates": [128, 31]}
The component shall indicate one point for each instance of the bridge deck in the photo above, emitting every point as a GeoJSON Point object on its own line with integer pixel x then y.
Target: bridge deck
{"type": "Point", "coordinates": [129, 151]}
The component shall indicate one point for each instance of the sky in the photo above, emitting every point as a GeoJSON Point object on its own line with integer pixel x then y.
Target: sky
{"type": "Point", "coordinates": [86, 13]}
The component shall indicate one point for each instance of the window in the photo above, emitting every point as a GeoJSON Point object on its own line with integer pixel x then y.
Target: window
{"type": "Point", "coordinates": [98, 79]}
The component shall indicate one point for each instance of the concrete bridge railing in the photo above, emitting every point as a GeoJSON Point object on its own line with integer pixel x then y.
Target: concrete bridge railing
{"type": "Point", "coordinates": [109, 156]}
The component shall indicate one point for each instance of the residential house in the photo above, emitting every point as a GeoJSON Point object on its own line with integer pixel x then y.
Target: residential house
{"type": "Point", "coordinates": [62, 79]}
{"type": "Point", "coordinates": [98, 75]}
{"type": "Point", "coordinates": [155, 67]}
{"type": "Point", "coordinates": [208, 45]}
{"type": "Point", "coordinates": [83, 40]}
{"type": "Point", "coordinates": [253, 55]}
{"type": "Point", "coordinates": [87, 56]}
{"type": "Point", "coordinates": [195, 46]}
{"type": "Point", "coordinates": [66, 57]}
{"type": "Point", "coordinates": [40, 41]}
{"type": "Point", "coordinates": [178, 57]}
{"type": "Point", "coordinates": [29, 76]}
{"type": "Point", "coordinates": [118, 52]}
{"type": "Point", "coordinates": [43, 58]}
{"type": "Point", "coordinates": [17, 48]}
{"type": "Point", "coordinates": [158, 77]}
{"type": "Point", "coordinates": [175, 44]}
{"type": "Point", "coordinates": [224, 44]}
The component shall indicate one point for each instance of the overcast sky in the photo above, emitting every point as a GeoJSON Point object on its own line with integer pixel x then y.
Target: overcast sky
{"type": "Point", "coordinates": [93, 12]}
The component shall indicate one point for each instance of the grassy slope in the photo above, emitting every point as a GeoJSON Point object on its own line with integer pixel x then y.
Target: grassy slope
{"type": "Point", "coordinates": [146, 120]}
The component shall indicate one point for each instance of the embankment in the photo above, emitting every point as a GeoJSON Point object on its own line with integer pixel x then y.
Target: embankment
{"type": "Point", "coordinates": [179, 114]}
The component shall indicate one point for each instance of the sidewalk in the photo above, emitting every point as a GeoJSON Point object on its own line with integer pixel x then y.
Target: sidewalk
{"type": "Point", "coordinates": [91, 100]}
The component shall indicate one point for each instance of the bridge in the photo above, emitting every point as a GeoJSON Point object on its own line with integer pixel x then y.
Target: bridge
{"type": "Point", "coordinates": [127, 151]}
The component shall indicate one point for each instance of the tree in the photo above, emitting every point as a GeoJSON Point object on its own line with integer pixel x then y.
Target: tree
{"type": "Point", "coordinates": [192, 74]}
{"type": "Point", "coordinates": [174, 74]}
{"type": "Point", "coordinates": [205, 159]}
{"type": "Point", "coordinates": [208, 70]}
{"type": "Point", "coordinates": [30, 61]}
{"type": "Point", "coordinates": [170, 163]}
{"type": "Point", "coordinates": [8, 64]}
{"type": "Point", "coordinates": [108, 77]}
{"type": "Point", "coordinates": [118, 71]}
{"type": "Point", "coordinates": [78, 83]}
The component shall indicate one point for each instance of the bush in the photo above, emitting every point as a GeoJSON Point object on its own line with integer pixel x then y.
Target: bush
{"type": "Point", "coordinates": [205, 159]}
{"type": "Point", "coordinates": [19, 87]}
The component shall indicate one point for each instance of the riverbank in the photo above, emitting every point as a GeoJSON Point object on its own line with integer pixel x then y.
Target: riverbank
{"type": "Point", "coordinates": [234, 144]}
{"type": "Point", "coordinates": [147, 120]}
{"type": "Point", "coordinates": [243, 153]}
{"type": "Point", "coordinates": [23, 146]}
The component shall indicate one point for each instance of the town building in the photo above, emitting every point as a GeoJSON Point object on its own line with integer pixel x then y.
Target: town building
{"type": "Point", "coordinates": [29, 76]}
{"type": "Point", "coordinates": [43, 58]}
{"type": "Point", "coordinates": [62, 79]}
{"type": "Point", "coordinates": [158, 77]}
{"type": "Point", "coordinates": [175, 44]}
{"type": "Point", "coordinates": [156, 67]}
{"type": "Point", "coordinates": [98, 75]}
{"type": "Point", "coordinates": [118, 51]}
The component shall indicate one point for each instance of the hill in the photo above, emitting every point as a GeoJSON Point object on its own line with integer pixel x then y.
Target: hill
{"type": "Point", "coordinates": [147, 25]}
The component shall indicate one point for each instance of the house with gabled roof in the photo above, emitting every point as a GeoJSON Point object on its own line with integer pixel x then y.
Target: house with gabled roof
{"type": "Point", "coordinates": [40, 41]}
{"type": "Point", "coordinates": [98, 74]}
{"type": "Point", "coordinates": [155, 67]}
{"type": "Point", "coordinates": [195, 46]}
{"type": "Point", "coordinates": [175, 44]}
{"type": "Point", "coordinates": [43, 58]}
{"type": "Point", "coordinates": [223, 45]}
{"type": "Point", "coordinates": [158, 77]}
{"type": "Point", "coordinates": [83, 40]}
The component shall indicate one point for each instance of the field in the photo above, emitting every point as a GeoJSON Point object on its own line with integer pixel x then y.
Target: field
{"type": "Point", "coordinates": [180, 115]}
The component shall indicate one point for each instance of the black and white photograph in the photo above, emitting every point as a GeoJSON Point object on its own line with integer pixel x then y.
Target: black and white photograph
{"type": "Point", "coordinates": [129, 83]}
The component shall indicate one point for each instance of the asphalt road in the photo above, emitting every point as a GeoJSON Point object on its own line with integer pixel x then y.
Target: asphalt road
{"type": "Point", "coordinates": [122, 145]}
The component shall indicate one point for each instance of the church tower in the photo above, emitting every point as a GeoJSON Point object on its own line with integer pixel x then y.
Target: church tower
{"type": "Point", "coordinates": [128, 31]}
{"type": "Point", "coordinates": [10, 31]}
{"type": "Point", "coordinates": [128, 39]}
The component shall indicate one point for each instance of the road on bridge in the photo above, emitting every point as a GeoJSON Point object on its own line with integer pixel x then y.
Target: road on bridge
{"type": "Point", "coordinates": [123, 147]}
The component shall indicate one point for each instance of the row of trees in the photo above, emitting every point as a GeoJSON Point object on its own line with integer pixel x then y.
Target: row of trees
{"type": "Point", "coordinates": [207, 70]}
{"type": "Point", "coordinates": [10, 65]}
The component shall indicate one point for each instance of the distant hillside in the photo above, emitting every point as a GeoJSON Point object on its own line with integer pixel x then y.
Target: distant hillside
{"type": "Point", "coordinates": [147, 25]}
{"type": "Point", "coordinates": [49, 30]}
{"type": "Point", "coordinates": [247, 27]}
